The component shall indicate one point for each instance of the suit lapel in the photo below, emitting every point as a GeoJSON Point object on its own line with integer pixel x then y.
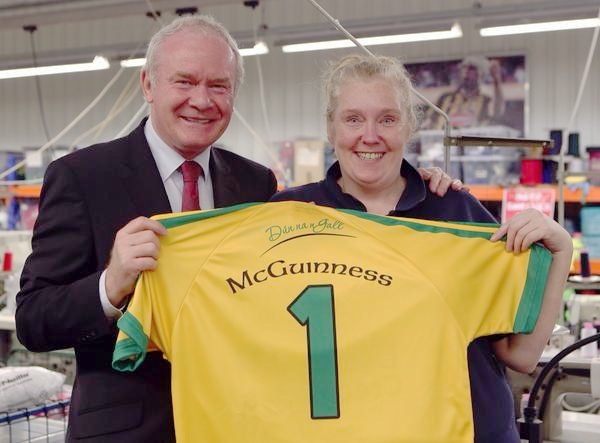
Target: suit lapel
{"type": "Point", "coordinates": [226, 189]}
{"type": "Point", "coordinates": [140, 175]}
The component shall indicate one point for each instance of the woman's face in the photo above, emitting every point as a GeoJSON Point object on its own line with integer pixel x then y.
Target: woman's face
{"type": "Point", "coordinates": [368, 131]}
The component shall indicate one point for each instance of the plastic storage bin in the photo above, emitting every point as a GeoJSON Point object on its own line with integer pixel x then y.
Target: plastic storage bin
{"type": "Point", "coordinates": [590, 228]}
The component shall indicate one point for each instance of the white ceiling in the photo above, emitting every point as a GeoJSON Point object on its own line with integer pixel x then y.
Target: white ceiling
{"type": "Point", "coordinates": [282, 24]}
{"type": "Point", "coordinates": [19, 13]}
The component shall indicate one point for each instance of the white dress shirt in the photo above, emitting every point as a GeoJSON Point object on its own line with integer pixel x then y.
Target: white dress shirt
{"type": "Point", "coordinates": [168, 161]}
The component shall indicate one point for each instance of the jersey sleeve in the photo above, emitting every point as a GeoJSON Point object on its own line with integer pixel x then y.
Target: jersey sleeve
{"type": "Point", "coordinates": [488, 289]}
{"type": "Point", "coordinates": [153, 310]}
{"type": "Point", "coordinates": [135, 329]}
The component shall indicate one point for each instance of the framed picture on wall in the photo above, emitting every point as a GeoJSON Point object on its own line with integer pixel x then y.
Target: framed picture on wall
{"type": "Point", "coordinates": [475, 91]}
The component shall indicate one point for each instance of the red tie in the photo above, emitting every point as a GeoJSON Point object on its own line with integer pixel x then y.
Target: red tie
{"type": "Point", "coordinates": [190, 171]}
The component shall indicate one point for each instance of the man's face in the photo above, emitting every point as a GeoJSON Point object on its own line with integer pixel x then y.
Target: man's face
{"type": "Point", "coordinates": [470, 77]}
{"type": "Point", "coordinates": [191, 94]}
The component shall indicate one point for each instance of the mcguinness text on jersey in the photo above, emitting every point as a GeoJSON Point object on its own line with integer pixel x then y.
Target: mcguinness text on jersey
{"type": "Point", "coordinates": [280, 268]}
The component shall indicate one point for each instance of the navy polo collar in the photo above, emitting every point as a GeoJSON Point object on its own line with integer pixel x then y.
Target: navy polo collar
{"type": "Point", "coordinates": [414, 193]}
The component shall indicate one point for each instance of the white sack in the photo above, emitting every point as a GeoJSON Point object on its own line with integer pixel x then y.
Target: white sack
{"type": "Point", "coordinates": [25, 386]}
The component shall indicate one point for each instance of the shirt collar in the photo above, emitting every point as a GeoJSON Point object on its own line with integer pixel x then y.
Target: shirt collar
{"type": "Point", "coordinates": [414, 193]}
{"type": "Point", "coordinates": [168, 159]}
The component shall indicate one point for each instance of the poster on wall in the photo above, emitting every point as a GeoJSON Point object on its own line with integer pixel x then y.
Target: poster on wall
{"type": "Point", "coordinates": [482, 96]}
{"type": "Point", "coordinates": [475, 91]}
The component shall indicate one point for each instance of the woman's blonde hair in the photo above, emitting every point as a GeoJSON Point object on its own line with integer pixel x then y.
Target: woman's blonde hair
{"type": "Point", "coordinates": [360, 66]}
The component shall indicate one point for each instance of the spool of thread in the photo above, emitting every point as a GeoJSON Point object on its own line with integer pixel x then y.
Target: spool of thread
{"type": "Point", "coordinates": [594, 163]}
{"type": "Point", "coordinates": [573, 144]}
{"type": "Point", "coordinates": [556, 136]}
{"type": "Point", "coordinates": [549, 168]}
{"type": "Point", "coordinates": [584, 263]}
{"type": "Point", "coordinates": [594, 154]}
{"type": "Point", "coordinates": [577, 164]}
{"type": "Point", "coordinates": [531, 171]}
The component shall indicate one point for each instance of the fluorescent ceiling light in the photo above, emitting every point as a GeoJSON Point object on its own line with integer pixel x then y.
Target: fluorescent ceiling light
{"type": "Point", "coordinates": [454, 32]}
{"type": "Point", "coordinates": [259, 48]}
{"type": "Point", "coordinates": [540, 27]}
{"type": "Point", "coordinates": [98, 64]}
{"type": "Point", "coordinates": [133, 62]}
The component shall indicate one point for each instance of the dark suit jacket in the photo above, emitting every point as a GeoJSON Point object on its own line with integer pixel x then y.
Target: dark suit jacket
{"type": "Point", "coordinates": [86, 197]}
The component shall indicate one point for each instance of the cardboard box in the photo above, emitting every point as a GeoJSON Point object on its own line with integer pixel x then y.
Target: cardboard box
{"type": "Point", "coordinates": [309, 161]}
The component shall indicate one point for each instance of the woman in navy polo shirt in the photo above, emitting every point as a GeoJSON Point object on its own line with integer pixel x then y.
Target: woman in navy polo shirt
{"type": "Point", "coordinates": [370, 118]}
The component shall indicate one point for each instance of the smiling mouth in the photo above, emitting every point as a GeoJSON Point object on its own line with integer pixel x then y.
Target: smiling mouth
{"type": "Point", "coordinates": [196, 120]}
{"type": "Point", "coordinates": [370, 155]}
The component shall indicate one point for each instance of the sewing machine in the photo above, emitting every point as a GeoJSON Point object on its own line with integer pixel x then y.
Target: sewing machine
{"type": "Point", "coordinates": [569, 402]}
{"type": "Point", "coordinates": [566, 393]}
{"type": "Point", "coordinates": [582, 308]}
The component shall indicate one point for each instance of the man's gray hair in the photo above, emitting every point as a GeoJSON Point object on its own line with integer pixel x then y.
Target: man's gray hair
{"type": "Point", "coordinates": [203, 24]}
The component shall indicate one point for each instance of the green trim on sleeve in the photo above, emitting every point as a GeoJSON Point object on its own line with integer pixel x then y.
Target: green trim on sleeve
{"type": "Point", "coordinates": [533, 293]}
{"type": "Point", "coordinates": [129, 353]}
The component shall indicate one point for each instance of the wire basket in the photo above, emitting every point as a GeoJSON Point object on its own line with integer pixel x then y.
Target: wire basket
{"type": "Point", "coordinates": [42, 423]}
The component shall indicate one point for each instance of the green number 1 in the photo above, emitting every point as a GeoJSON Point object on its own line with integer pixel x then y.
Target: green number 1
{"type": "Point", "coordinates": [314, 309]}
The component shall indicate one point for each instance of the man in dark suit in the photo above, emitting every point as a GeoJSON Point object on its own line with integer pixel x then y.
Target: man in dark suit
{"type": "Point", "coordinates": [192, 74]}
{"type": "Point", "coordinates": [93, 236]}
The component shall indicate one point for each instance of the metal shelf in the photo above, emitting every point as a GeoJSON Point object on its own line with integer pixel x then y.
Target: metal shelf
{"type": "Point", "coordinates": [470, 140]}
{"type": "Point", "coordinates": [582, 174]}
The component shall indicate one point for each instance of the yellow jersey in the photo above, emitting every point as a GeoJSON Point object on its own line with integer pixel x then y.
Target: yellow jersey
{"type": "Point", "coordinates": [291, 322]}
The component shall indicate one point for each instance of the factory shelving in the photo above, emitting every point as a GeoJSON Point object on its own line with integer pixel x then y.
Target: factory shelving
{"type": "Point", "coordinates": [494, 193]}
{"type": "Point", "coordinates": [24, 191]}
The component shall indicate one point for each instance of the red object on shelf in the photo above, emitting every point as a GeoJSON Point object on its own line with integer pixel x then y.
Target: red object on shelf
{"type": "Point", "coordinates": [531, 171]}
{"type": "Point", "coordinates": [7, 262]}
